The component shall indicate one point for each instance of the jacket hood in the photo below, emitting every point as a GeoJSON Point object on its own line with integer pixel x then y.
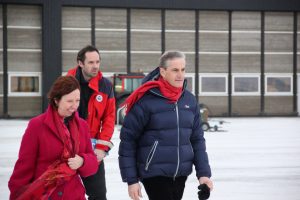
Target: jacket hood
{"type": "Point", "coordinates": [151, 76]}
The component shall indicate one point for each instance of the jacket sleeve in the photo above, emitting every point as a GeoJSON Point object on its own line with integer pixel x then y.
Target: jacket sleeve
{"type": "Point", "coordinates": [24, 169]}
{"type": "Point", "coordinates": [132, 128]}
{"type": "Point", "coordinates": [108, 124]}
{"type": "Point", "coordinates": [90, 164]}
{"type": "Point", "coordinates": [198, 142]}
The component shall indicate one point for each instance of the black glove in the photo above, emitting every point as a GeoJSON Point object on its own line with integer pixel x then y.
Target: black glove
{"type": "Point", "coordinates": [204, 192]}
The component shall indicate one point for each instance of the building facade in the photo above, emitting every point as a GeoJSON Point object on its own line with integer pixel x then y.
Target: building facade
{"type": "Point", "coordinates": [243, 56]}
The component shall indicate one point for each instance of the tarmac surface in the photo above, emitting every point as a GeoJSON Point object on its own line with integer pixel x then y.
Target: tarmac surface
{"type": "Point", "coordinates": [251, 159]}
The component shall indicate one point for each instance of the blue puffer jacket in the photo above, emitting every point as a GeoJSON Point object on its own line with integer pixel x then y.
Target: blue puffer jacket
{"type": "Point", "coordinates": [159, 138]}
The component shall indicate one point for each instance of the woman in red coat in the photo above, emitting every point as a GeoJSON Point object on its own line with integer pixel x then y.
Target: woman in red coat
{"type": "Point", "coordinates": [55, 150]}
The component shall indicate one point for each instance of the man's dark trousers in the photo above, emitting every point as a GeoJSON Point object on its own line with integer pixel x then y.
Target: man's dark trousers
{"type": "Point", "coordinates": [95, 185]}
{"type": "Point", "coordinates": [164, 188]}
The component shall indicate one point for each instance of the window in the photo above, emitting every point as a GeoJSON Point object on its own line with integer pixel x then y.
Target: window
{"type": "Point", "coordinates": [24, 84]}
{"type": "Point", "coordinates": [279, 85]}
{"type": "Point", "coordinates": [24, 38]}
{"type": "Point", "coordinates": [213, 41]}
{"type": "Point", "coordinates": [145, 38]}
{"type": "Point", "coordinates": [246, 85]}
{"type": "Point", "coordinates": [190, 82]}
{"type": "Point", "coordinates": [76, 33]}
{"type": "Point", "coordinates": [213, 85]}
{"type": "Point", "coordinates": [132, 84]}
{"type": "Point", "coordinates": [109, 76]}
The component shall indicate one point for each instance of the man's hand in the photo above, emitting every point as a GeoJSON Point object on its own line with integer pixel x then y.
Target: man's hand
{"type": "Point", "coordinates": [207, 181]}
{"type": "Point", "coordinates": [76, 162]}
{"type": "Point", "coordinates": [134, 191]}
{"type": "Point", "coordinates": [100, 154]}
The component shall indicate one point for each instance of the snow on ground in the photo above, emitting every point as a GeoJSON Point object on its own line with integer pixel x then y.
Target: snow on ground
{"type": "Point", "coordinates": [253, 159]}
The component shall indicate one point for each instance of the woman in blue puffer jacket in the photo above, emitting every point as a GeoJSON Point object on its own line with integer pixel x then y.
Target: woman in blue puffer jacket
{"type": "Point", "coordinates": [161, 137]}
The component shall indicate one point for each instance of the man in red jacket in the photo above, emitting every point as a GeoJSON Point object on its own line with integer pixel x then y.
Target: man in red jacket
{"type": "Point", "coordinates": [97, 107]}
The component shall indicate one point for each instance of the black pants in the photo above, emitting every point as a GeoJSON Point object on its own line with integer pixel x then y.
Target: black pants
{"type": "Point", "coordinates": [164, 188]}
{"type": "Point", "coordinates": [95, 185]}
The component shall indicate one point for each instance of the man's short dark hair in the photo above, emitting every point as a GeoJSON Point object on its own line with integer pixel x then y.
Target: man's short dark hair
{"type": "Point", "coordinates": [88, 48]}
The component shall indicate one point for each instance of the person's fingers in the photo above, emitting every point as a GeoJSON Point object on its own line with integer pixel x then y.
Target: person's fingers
{"type": "Point", "coordinates": [133, 195]}
{"type": "Point", "coordinates": [130, 194]}
{"type": "Point", "coordinates": [70, 162]}
{"type": "Point", "coordinates": [74, 163]}
{"type": "Point", "coordinates": [71, 165]}
{"type": "Point", "coordinates": [136, 196]}
{"type": "Point", "coordinates": [210, 185]}
{"type": "Point", "coordinates": [207, 181]}
{"type": "Point", "coordinates": [99, 158]}
{"type": "Point", "coordinates": [140, 192]}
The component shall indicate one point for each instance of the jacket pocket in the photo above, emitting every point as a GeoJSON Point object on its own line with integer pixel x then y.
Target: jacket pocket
{"type": "Point", "coordinates": [151, 154]}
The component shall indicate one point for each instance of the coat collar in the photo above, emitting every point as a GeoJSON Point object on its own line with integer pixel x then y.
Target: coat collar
{"type": "Point", "coordinates": [94, 82]}
{"type": "Point", "coordinates": [49, 120]}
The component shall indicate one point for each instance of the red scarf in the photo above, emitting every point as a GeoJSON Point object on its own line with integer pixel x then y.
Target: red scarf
{"type": "Point", "coordinates": [167, 90]}
{"type": "Point", "coordinates": [58, 173]}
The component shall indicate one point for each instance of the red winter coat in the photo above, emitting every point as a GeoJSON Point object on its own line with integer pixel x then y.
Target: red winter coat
{"type": "Point", "coordinates": [101, 109]}
{"type": "Point", "coordinates": [40, 147]}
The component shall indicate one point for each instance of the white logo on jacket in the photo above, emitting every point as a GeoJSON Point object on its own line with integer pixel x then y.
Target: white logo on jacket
{"type": "Point", "coordinates": [99, 98]}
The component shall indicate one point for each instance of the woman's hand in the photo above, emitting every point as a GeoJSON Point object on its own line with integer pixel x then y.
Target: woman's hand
{"type": "Point", "coordinates": [76, 162]}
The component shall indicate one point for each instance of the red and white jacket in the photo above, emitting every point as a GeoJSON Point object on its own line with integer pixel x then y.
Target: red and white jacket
{"type": "Point", "coordinates": [101, 109]}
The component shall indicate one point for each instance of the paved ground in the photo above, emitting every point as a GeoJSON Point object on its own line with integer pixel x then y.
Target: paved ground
{"type": "Point", "coordinates": [254, 159]}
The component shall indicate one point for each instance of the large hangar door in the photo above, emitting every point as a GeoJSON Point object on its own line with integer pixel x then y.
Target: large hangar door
{"type": "Point", "coordinates": [298, 92]}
